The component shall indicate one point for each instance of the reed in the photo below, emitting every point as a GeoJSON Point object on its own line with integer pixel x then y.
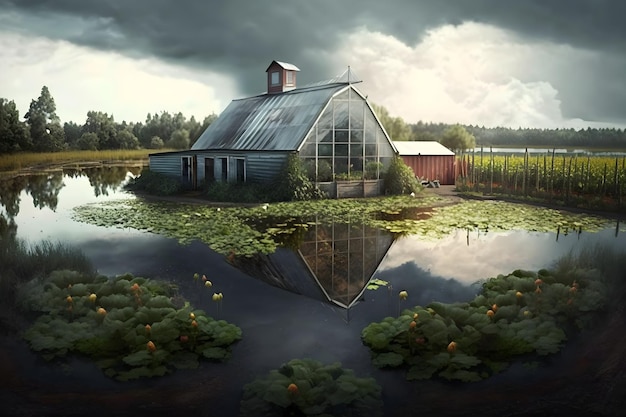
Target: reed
{"type": "Point", "coordinates": [17, 161]}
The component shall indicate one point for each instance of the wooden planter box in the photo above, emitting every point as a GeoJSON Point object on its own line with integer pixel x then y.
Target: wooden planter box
{"type": "Point", "coordinates": [352, 189]}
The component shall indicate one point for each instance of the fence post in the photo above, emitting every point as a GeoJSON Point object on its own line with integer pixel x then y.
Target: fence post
{"type": "Point", "coordinates": [491, 168]}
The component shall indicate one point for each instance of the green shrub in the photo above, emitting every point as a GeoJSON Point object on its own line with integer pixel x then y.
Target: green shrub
{"type": "Point", "coordinates": [373, 170]}
{"type": "Point", "coordinates": [155, 183]}
{"type": "Point", "coordinates": [400, 178]}
{"type": "Point", "coordinates": [237, 192]}
{"type": "Point", "coordinates": [293, 183]}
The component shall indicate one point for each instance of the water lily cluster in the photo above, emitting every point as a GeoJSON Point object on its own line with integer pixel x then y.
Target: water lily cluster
{"type": "Point", "coordinates": [524, 313]}
{"type": "Point", "coordinates": [248, 231]}
{"type": "Point", "coordinates": [305, 387]}
{"type": "Point", "coordinates": [128, 325]}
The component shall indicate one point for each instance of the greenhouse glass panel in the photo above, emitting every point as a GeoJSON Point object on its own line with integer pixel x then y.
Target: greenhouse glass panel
{"type": "Point", "coordinates": [341, 165]}
{"type": "Point", "coordinates": [308, 149]}
{"type": "Point", "coordinates": [325, 136]}
{"type": "Point", "coordinates": [341, 150]}
{"type": "Point", "coordinates": [371, 150]}
{"type": "Point", "coordinates": [370, 135]}
{"type": "Point", "coordinates": [326, 120]}
{"type": "Point", "coordinates": [344, 95]}
{"type": "Point", "coordinates": [325, 150]}
{"type": "Point", "coordinates": [341, 136]}
{"type": "Point", "coordinates": [309, 166]}
{"type": "Point", "coordinates": [356, 136]}
{"type": "Point", "coordinates": [356, 163]}
{"type": "Point", "coordinates": [341, 114]}
{"type": "Point", "coordinates": [325, 169]}
{"type": "Point", "coordinates": [356, 150]}
{"type": "Point", "coordinates": [356, 114]}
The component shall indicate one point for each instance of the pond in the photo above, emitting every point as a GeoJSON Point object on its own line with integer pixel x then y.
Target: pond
{"type": "Point", "coordinates": [306, 318]}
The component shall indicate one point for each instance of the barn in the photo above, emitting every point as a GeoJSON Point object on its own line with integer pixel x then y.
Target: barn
{"type": "Point", "coordinates": [430, 160]}
{"type": "Point", "coordinates": [330, 125]}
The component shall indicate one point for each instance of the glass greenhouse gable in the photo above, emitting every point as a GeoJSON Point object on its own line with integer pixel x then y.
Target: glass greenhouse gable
{"type": "Point", "coordinates": [347, 142]}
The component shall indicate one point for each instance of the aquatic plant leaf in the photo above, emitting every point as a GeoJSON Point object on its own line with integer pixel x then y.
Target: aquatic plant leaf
{"type": "Point", "coordinates": [420, 371]}
{"type": "Point", "coordinates": [142, 372]}
{"type": "Point", "coordinates": [277, 394]}
{"type": "Point", "coordinates": [390, 359]}
{"type": "Point", "coordinates": [185, 360]}
{"type": "Point", "coordinates": [463, 361]}
{"type": "Point", "coordinates": [140, 358]}
{"type": "Point", "coordinates": [159, 301]}
{"type": "Point", "coordinates": [116, 300]}
{"type": "Point", "coordinates": [117, 339]}
{"type": "Point", "coordinates": [164, 331]}
{"type": "Point", "coordinates": [215, 353]}
{"type": "Point", "coordinates": [322, 390]}
{"type": "Point", "coordinates": [460, 375]}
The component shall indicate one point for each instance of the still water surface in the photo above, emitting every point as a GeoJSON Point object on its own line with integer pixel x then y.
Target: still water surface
{"type": "Point", "coordinates": [277, 325]}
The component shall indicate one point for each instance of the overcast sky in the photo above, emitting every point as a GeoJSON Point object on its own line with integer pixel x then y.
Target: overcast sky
{"type": "Point", "coordinates": [528, 63]}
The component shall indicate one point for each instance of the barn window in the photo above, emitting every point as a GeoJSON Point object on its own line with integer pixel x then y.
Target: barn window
{"type": "Point", "coordinates": [290, 80]}
{"type": "Point", "coordinates": [275, 77]}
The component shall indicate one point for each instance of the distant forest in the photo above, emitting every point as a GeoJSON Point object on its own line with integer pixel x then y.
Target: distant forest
{"type": "Point", "coordinates": [604, 138]}
{"type": "Point", "coordinates": [42, 131]}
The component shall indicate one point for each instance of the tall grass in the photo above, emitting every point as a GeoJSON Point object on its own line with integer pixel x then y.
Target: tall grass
{"type": "Point", "coordinates": [20, 262]}
{"type": "Point", "coordinates": [609, 261]}
{"type": "Point", "coordinates": [17, 161]}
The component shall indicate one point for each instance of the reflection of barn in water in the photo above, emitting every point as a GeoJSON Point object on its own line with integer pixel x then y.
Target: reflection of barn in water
{"type": "Point", "coordinates": [333, 262]}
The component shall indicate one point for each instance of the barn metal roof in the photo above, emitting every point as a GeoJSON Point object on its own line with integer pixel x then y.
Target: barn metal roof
{"type": "Point", "coordinates": [426, 147]}
{"type": "Point", "coordinates": [268, 122]}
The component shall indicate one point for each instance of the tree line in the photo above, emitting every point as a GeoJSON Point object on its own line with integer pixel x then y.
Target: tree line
{"type": "Point", "coordinates": [398, 129]}
{"type": "Point", "coordinates": [42, 131]}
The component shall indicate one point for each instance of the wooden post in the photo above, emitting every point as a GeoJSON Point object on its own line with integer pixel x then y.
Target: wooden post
{"type": "Point", "coordinates": [537, 178]}
{"type": "Point", "coordinates": [491, 168]}
{"type": "Point", "coordinates": [615, 177]}
{"type": "Point", "coordinates": [568, 182]}
{"type": "Point", "coordinates": [552, 174]}
{"type": "Point", "coordinates": [545, 172]}
{"type": "Point", "coordinates": [524, 167]}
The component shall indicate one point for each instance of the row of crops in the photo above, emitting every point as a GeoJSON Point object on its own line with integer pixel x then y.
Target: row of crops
{"type": "Point", "coordinates": [591, 181]}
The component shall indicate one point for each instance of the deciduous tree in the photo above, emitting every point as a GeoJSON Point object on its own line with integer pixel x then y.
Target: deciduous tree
{"type": "Point", "coordinates": [456, 138]}
{"type": "Point", "coordinates": [396, 128]}
{"type": "Point", "coordinates": [46, 132]}
{"type": "Point", "coordinates": [13, 133]}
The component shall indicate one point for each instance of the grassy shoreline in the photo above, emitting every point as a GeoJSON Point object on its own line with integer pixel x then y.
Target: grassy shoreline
{"type": "Point", "coordinates": [11, 163]}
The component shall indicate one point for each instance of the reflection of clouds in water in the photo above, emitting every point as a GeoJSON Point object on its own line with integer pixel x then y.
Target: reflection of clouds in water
{"type": "Point", "coordinates": [487, 255]}
{"type": "Point", "coordinates": [35, 223]}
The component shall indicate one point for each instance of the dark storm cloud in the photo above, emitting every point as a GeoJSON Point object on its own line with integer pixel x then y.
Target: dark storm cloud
{"type": "Point", "coordinates": [242, 37]}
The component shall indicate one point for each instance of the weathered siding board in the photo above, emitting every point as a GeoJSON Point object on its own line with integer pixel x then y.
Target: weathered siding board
{"type": "Point", "coordinates": [433, 167]}
{"type": "Point", "coordinates": [264, 167]}
{"type": "Point", "coordinates": [168, 164]}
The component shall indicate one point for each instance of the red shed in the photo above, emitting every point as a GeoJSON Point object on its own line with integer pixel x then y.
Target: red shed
{"type": "Point", "coordinates": [429, 160]}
